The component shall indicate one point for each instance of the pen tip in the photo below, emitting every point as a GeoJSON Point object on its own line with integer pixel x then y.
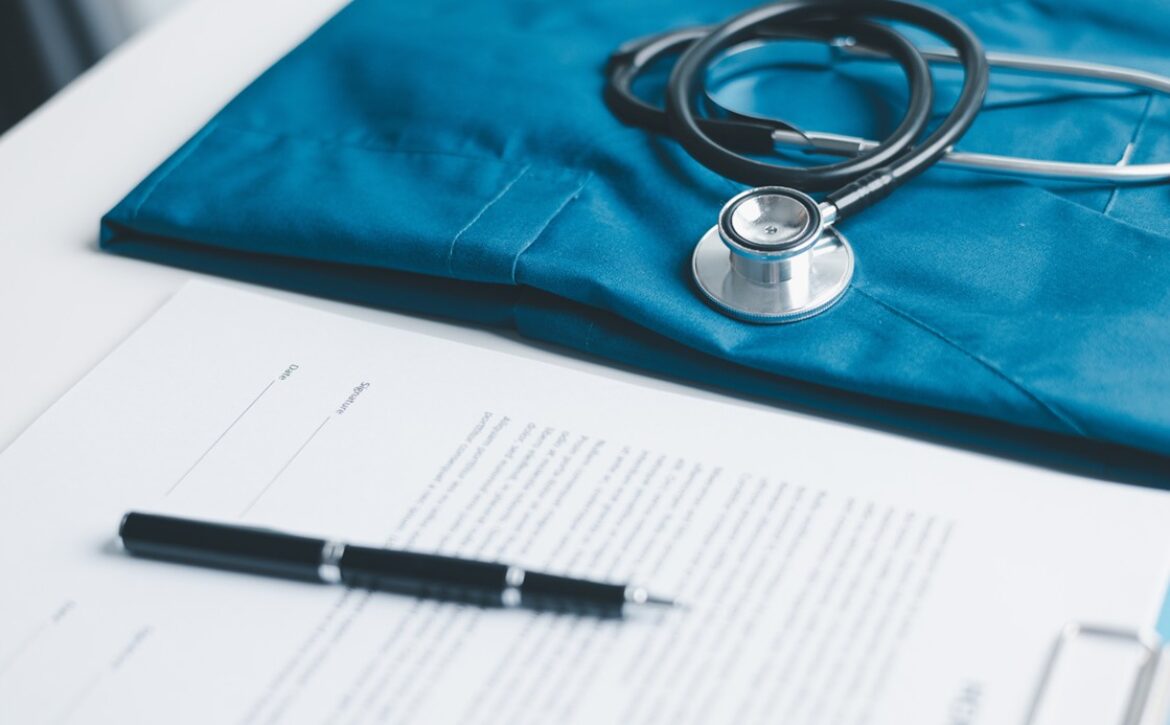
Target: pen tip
{"type": "Point", "coordinates": [638, 595]}
{"type": "Point", "coordinates": [664, 602]}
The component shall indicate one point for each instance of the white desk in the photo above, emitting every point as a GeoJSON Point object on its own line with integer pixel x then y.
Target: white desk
{"type": "Point", "coordinates": [64, 304]}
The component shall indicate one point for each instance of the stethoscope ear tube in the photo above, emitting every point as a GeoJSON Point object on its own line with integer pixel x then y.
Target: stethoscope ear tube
{"type": "Point", "coordinates": [879, 170]}
{"type": "Point", "coordinates": [750, 136]}
{"type": "Point", "coordinates": [746, 133]}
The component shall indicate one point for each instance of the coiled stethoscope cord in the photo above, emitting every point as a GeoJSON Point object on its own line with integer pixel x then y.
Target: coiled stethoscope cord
{"type": "Point", "coordinates": [720, 144]}
{"type": "Point", "coordinates": [774, 256]}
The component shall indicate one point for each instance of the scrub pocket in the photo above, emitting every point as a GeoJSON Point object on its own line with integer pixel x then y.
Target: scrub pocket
{"type": "Point", "coordinates": [423, 210]}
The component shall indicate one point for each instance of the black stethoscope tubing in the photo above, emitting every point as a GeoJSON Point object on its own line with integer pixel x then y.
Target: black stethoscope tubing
{"type": "Point", "coordinates": [721, 143]}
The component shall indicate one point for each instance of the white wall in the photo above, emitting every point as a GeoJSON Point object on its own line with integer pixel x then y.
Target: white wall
{"type": "Point", "coordinates": [139, 13]}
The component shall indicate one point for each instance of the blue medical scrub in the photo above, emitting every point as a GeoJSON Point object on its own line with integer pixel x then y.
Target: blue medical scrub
{"type": "Point", "coordinates": [456, 159]}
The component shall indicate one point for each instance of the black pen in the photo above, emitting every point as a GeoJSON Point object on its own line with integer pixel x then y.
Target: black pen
{"type": "Point", "coordinates": [274, 553]}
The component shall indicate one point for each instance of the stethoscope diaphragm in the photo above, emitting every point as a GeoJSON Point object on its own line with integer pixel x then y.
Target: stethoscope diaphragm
{"type": "Point", "coordinates": [757, 263]}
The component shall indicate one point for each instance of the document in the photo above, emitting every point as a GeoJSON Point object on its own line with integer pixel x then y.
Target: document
{"type": "Point", "coordinates": [831, 574]}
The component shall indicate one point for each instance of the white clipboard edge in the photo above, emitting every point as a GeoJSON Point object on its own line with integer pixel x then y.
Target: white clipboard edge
{"type": "Point", "coordinates": [1148, 702]}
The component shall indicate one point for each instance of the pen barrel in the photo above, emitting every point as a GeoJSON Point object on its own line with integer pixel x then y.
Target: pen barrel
{"type": "Point", "coordinates": [482, 583]}
{"type": "Point", "coordinates": [264, 551]}
{"type": "Point", "coordinates": [253, 550]}
{"type": "Point", "coordinates": [406, 571]}
{"type": "Point", "coordinates": [424, 575]}
{"type": "Point", "coordinates": [548, 591]}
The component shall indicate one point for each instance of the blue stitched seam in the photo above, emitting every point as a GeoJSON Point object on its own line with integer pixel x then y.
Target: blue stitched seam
{"type": "Point", "coordinates": [480, 213]}
{"type": "Point", "coordinates": [589, 336]}
{"type": "Point", "coordinates": [1129, 149]}
{"type": "Point", "coordinates": [175, 162]}
{"type": "Point", "coordinates": [1063, 200]}
{"type": "Point", "coordinates": [1050, 409]}
{"type": "Point", "coordinates": [376, 148]}
{"type": "Point", "coordinates": [998, 5]}
{"type": "Point", "coordinates": [556, 212]}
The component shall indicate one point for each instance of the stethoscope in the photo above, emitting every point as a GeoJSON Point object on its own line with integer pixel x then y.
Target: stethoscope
{"type": "Point", "coordinates": [775, 254]}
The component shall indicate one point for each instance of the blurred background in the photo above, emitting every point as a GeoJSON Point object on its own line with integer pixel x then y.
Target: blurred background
{"type": "Point", "coordinates": [44, 44]}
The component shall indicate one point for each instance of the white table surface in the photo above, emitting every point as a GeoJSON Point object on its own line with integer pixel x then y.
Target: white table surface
{"type": "Point", "coordinates": [65, 304]}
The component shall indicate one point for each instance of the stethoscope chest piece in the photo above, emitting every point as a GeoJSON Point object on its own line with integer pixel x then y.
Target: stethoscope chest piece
{"type": "Point", "coordinates": [773, 257]}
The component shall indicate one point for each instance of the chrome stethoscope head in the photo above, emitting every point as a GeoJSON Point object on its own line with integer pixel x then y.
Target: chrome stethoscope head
{"type": "Point", "coordinates": [774, 257]}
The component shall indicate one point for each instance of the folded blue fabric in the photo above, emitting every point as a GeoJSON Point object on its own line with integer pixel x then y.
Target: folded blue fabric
{"type": "Point", "coordinates": [457, 159]}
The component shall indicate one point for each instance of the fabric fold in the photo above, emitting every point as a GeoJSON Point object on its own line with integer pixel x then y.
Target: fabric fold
{"type": "Point", "coordinates": [458, 160]}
